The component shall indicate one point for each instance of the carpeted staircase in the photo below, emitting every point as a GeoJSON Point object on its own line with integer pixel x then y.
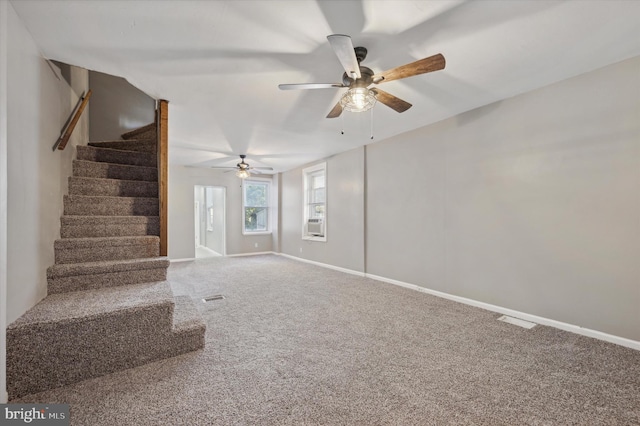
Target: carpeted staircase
{"type": "Point", "coordinates": [108, 307]}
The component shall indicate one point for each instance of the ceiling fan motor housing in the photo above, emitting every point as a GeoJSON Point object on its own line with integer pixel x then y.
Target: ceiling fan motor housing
{"type": "Point", "coordinates": [361, 53]}
{"type": "Point", "coordinates": [364, 81]}
{"type": "Point", "coordinates": [242, 164]}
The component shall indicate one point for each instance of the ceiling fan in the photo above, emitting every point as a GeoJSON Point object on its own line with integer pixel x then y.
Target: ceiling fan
{"type": "Point", "coordinates": [244, 170]}
{"type": "Point", "coordinates": [358, 78]}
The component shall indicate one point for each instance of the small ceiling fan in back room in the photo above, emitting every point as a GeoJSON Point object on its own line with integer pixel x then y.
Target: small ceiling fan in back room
{"type": "Point", "coordinates": [358, 78]}
{"type": "Point", "coordinates": [243, 170]}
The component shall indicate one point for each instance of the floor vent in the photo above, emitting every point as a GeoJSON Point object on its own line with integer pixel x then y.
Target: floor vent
{"type": "Point", "coordinates": [213, 298]}
{"type": "Point", "coordinates": [517, 321]}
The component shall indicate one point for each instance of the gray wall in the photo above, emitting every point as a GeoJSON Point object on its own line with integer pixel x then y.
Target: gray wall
{"type": "Point", "coordinates": [211, 197]}
{"type": "Point", "coordinates": [215, 239]}
{"type": "Point", "coordinates": [37, 98]}
{"type": "Point", "coordinates": [181, 215]}
{"type": "Point", "coordinates": [344, 247]}
{"type": "Point", "coordinates": [40, 101]}
{"type": "Point", "coordinates": [531, 204]}
{"type": "Point", "coordinates": [117, 107]}
{"type": "Point", "coordinates": [4, 47]}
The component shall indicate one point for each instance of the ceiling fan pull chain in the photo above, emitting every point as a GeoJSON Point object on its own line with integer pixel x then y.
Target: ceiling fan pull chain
{"type": "Point", "coordinates": [371, 123]}
{"type": "Point", "coordinates": [342, 124]}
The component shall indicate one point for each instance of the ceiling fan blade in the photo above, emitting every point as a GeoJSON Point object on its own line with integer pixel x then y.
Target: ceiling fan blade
{"type": "Point", "coordinates": [223, 167]}
{"type": "Point", "coordinates": [343, 47]}
{"type": "Point", "coordinates": [261, 168]}
{"type": "Point", "coordinates": [336, 111]}
{"type": "Point", "coordinates": [309, 86]}
{"type": "Point", "coordinates": [432, 63]}
{"type": "Point", "coordinates": [391, 101]}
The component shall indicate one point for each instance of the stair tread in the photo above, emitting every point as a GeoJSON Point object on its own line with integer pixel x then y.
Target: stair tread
{"type": "Point", "coordinates": [110, 187]}
{"type": "Point", "coordinates": [114, 150]}
{"type": "Point", "coordinates": [112, 180]}
{"type": "Point", "coordinates": [100, 163]}
{"type": "Point", "coordinates": [82, 305]}
{"type": "Point", "coordinates": [88, 219]}
{"type": "Point", "coordinates": [112, 198]}
{"type": "Point", "coordinates": [114, 171]}
{"type": "Point", "coordinates": [106, 266]}
{"type": "Point", "coordinates": [103, 241]}
{"type": "Point", "coordinates": [124, 144]}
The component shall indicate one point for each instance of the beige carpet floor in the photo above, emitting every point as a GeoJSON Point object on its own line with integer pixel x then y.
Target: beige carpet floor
{"type": "Point", "coordinates": [297, 344]}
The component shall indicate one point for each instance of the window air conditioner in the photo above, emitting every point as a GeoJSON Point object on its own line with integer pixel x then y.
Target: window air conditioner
{"type": "Point", "coordinates": [315, 227]}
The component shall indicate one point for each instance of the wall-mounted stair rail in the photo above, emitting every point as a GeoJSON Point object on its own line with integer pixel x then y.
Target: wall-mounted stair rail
{"type": "Point", "coordinates": [61, 143]}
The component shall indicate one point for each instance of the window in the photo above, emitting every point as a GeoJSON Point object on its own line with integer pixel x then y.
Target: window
{"type": "Point", "coordinates": [255, 203]}
{"type": "Point", "coordinates": [315, 203]}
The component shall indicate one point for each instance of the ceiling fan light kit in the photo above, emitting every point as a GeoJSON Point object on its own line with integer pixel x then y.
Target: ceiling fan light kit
{"type": "Point", "coordinates": [357, 78]}
{"type": "Point", "coordinates": [358, 99]}
{"type": "Point", "coordinates": [243, 173]}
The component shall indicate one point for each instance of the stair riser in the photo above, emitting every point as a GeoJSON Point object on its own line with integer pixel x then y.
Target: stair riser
{"type": "Point", "coordinates": [89, 153]}
{"type": "Point", "coordinates": [110, 207]}
{"type": "Point", "coordinates": [186, 341]}
{"type": "Point", "coordinates": [140, 134]}
{"type": "Point", "coordinates": [131, 145]}
{"type": "Point", "coordinates": [112, 187]}
{"type": "Point", "coordinates": [107, 343]}
{"type": "Point", "coordinates": [105, 230]}
{"type": "Point", "coordinates": [96, 254]}
{"type": "Point", "coordinates": [114, 171]}
{"type": "Point", "coordinates": [88, 282]}
{"type": "Point", "coordinates": [146, 136]}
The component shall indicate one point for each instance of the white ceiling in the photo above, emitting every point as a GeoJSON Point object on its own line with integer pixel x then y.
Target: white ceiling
{"type": "Point", "coordinates": [219, 63]}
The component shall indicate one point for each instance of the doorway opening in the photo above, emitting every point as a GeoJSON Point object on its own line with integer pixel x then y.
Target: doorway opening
{"type": "Point", "coordinates": [209, 221]}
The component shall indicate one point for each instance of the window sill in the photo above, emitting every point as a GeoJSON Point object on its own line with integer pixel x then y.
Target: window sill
{"type": "Point", "coordinates": [257, 233]}
{"type": "Point", "coordinates": [314, 238]}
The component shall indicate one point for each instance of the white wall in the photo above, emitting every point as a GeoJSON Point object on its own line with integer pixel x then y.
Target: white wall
{"type": "Point", "coordinates": [532, 203]}
{"type": "Point", "coordinates": [117, 107]}
{"type": "Point", "coordinates": [40, 102]}
{"type": "Point", "coordinates": [4, 8]}
{"type": "Point", "coordinates": [37, 101]}
{"type": "Point", "coordinates": [181, 215]}
{"type": "Point", "coordinates": [214, 239]}
{"type": "Point", "coordinates": [344, 247]}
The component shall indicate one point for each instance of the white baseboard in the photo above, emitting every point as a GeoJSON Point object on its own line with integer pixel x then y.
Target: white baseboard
{"type": "Point", "coordinates": [324, 265]}
{"type": "Point", "coordinates": [622, 341]}
{"type": "Point", "coordinates": [191, 259]}
{"type": "Point", "coordinates": [257, 253]}
{"type": "Point", "coordinates": [188, 259]}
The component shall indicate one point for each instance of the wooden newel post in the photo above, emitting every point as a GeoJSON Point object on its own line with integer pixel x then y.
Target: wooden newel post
{"type": "Point", "coordinates": [162, 135]}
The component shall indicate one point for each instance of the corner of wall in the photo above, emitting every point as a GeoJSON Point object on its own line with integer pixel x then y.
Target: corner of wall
{"type": "Point", "coordinates": [3, 200]}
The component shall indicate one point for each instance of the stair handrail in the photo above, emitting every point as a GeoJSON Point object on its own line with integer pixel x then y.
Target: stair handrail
{"type": "Point", "coordinates": [61, 143]}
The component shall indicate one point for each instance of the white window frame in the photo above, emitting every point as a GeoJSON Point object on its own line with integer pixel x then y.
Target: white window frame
{"type": "Point", "coordinates": [306, 174]}
{"type": "Point", "coordinates": [268, 207]}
